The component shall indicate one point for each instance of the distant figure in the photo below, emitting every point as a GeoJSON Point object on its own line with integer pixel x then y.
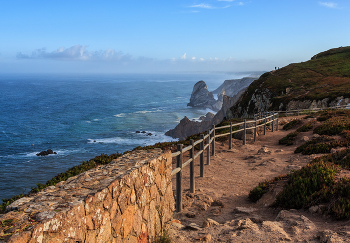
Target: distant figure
{"type": "Point", "coordinates": [275, 68]}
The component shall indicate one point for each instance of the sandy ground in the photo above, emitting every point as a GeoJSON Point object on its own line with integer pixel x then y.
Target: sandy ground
{"type": "Point", "coordinates": [229, 178]}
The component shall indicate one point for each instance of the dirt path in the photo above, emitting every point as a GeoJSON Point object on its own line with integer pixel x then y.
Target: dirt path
{"type": "Point", "coordinates": [229, 178]}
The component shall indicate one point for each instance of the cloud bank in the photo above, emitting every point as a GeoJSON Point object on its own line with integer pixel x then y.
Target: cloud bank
{"type": "Point", "coordinates": [79, 59]}
{"type": "Point", "coordinates": [76, 52]}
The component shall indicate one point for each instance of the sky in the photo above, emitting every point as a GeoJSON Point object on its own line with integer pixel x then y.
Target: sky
{"type": "Point", "coordinates": [150, 36]}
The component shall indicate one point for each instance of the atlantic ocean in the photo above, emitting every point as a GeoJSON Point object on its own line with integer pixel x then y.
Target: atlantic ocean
{"type": "Point", "coordinates": [82, 116]}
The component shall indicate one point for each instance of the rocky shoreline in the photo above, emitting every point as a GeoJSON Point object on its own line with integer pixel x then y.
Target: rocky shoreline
{"type": "Point", "coordinates": [227, 93]}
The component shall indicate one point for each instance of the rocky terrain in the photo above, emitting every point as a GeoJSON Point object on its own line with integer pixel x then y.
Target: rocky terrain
{"type": "Point", "coordinates": [220, 211]}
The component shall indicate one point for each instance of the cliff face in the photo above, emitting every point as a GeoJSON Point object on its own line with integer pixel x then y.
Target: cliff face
{"type": "Point", "coordinates": [320, 82]}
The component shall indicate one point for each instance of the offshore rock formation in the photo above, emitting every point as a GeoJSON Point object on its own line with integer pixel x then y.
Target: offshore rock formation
{"type": "Point", "coordinates": [186, 127]}
{"type": "Point", "coordinates": [202, 98]}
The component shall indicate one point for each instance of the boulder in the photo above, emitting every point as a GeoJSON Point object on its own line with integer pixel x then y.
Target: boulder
{"type": "Point", "coordinates": [47, 152]}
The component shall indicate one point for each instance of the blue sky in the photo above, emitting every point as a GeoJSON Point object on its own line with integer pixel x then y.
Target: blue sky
{"type": "Point", "coordinates": [166, 36]}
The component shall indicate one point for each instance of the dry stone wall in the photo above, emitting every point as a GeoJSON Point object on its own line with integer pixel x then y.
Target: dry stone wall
{"type": "Point", "coordinates": [128, 200]}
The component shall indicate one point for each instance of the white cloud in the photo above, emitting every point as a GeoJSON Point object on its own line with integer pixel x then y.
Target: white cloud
{"type": "Point", "coordinates": [193, 58]}
{"type": "Point", "coordinates": [202, 5]}
{"type": "Point", "coordinates": [76, 52]}
{"type": "Point", "coordinates": [183, 56]}
{"type": "Point", "coordinates": [329, 4]}
{"type": "Point", "coordinates": [225, 0]}
{"type": "Point", "coordinates": [241, 3]}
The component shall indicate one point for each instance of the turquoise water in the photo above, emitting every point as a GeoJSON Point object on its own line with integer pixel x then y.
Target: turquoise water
{"type": "Point", "coordinates": [82, 116]}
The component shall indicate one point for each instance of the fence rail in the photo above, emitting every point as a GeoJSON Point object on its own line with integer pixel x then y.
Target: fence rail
{"type": "Point", "coordinates": [265, 119]}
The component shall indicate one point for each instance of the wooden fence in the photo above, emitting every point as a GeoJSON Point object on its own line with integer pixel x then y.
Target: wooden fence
{"type": "Point", "coordinates": [260, 120]}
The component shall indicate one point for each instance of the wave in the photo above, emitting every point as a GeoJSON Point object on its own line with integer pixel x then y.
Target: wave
{"type": "Point", "coordinates": [120, 115]}
{"type": "Point", "coordinates": [33, 154]}
{"type": "Point", "coordinates": [137, 139]}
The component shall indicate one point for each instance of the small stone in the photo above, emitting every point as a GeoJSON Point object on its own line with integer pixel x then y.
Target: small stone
{"type": "Point", "coordinates": [313, 209]}
{"type": "Point", "coordinates": [305, 139]}
{"type": "Point", "coordinates": [278, 150]}
{"type": "Point", "coordinates": [264, 150]}
{"type": "Point", "coordinates": [218, 203]}
{"type": "Point", "coordinates": [212, 222]}
{"type": "Point", "coordinates": [177, 225]}
{"type": "Point", "coordinates": [190, 215]}
{"type": "Point", "coordinates": [244, 210]}
{"type": "Point", "coordinates": [193, 226]}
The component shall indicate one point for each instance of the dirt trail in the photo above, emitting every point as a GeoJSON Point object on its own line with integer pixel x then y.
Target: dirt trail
{"type": "Point", "coordinates": [229, 178]}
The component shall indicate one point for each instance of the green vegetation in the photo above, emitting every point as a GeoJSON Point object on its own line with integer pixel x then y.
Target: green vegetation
{"type": "Point", "coordinates": [322, 144]}
{"type": "Point", "coordinates": [291, 124]}
{"type": "Point", "coordinates": [263, 187]}
{"type": "Point", "coordinates": [289, 139]}
{"type": "Point", "coordinates": [326, 76]}
{"type": "Point", "coordinates": [163, 238]}
{"type": "Point", "coordinates": [306, 182]}
{"type": "Point", "coordinates": [307, 127]}
{"type": "Point", "coordinates": [333, 126]}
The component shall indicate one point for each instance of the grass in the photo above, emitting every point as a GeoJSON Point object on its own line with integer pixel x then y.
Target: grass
{"type": "Point", "coordinates": [322, 144]}
{"type": "Point", "coordinates": [307, 127]}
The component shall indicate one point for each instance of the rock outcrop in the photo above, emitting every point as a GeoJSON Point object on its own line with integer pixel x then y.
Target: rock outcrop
{"type": "Point", "coordinates": [202, 98]}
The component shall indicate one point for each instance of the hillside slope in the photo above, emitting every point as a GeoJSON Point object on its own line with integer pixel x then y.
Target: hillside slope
{"type": "Point", "coordinates": [320, 82]}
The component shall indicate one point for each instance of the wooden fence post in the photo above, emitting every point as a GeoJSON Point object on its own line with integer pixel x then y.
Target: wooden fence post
{"type": "Point", "coordinates": [273, 121]}
{"type": "Point", "coordinates": [179, 180]}
{"type": "Point", "coordinates": [255, 130]}
{"type": "Point", "coordinates": [265, 125]}
{"type": "Point", "coordinates": [213, 144]}
{"type": "Point", "coordinates": [244, 131]}
{"type": "Point", "coordinates": [192, 183]}
{"type": "Point", "coordinates": [310, 110]}
{"type": "Point", "coordinates": [201, 148]}
{"type": "Point", "coordinates": [208, 148]}
{"type": "Point", "coordinates": [298, 111]}
{"type": "Point", "coordinates": [277, 121]}
{"type": "Point", "coordinates": [230, 137]}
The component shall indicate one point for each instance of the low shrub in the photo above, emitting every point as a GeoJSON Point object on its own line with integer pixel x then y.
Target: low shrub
{"type": "Point", "coordinates": [333, 126]}
{"type": "Point", "coordinates": [307, 127]}
{"type": "Point", "coordinates": [306, 182]}
{"type": "Point", "coordinates": [320, 145]}
{"type": "Point", "coordinates": [291, 124]}
{"type": "Point", "coordinates": [289, 139]}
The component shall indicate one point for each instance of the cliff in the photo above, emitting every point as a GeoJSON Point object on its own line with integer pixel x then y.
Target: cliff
{"type": "Point", "coordinates": [320, 82]}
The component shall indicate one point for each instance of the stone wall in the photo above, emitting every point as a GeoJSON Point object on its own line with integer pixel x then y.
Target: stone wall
{"type": "Point", "coordinates": [128, 200]}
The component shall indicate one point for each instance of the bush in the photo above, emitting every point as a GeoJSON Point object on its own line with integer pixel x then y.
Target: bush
{"type": "Point", "coordinates": [307, 127]}
{"type": "Point", "coordinates": [291, 124]}
{"type": "Point", "coordinates": [306, 182]}
{"type": "Point", "coordinates": [333, 126]}
{"type": "Point", "coordinates": [289, 139]}
{"type": "Point", "coordinates": [320, 145]}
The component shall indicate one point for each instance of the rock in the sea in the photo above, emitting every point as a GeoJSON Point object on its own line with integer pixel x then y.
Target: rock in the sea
{"type": "Point", "coordinates": [201, 97]}
{"type": "Point", "coordinates": [47, 152]}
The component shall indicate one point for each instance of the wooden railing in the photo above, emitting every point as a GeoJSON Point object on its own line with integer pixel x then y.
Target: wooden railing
{"type": "Point", "coordinates": [260, 120]}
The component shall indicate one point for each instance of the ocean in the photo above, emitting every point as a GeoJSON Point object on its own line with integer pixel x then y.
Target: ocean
{"type": "Point", "coordinates": [82, 116]}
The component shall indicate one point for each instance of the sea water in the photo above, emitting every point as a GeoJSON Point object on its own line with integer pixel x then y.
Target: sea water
{"type": "Point", "coordinates": [82, 116]}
